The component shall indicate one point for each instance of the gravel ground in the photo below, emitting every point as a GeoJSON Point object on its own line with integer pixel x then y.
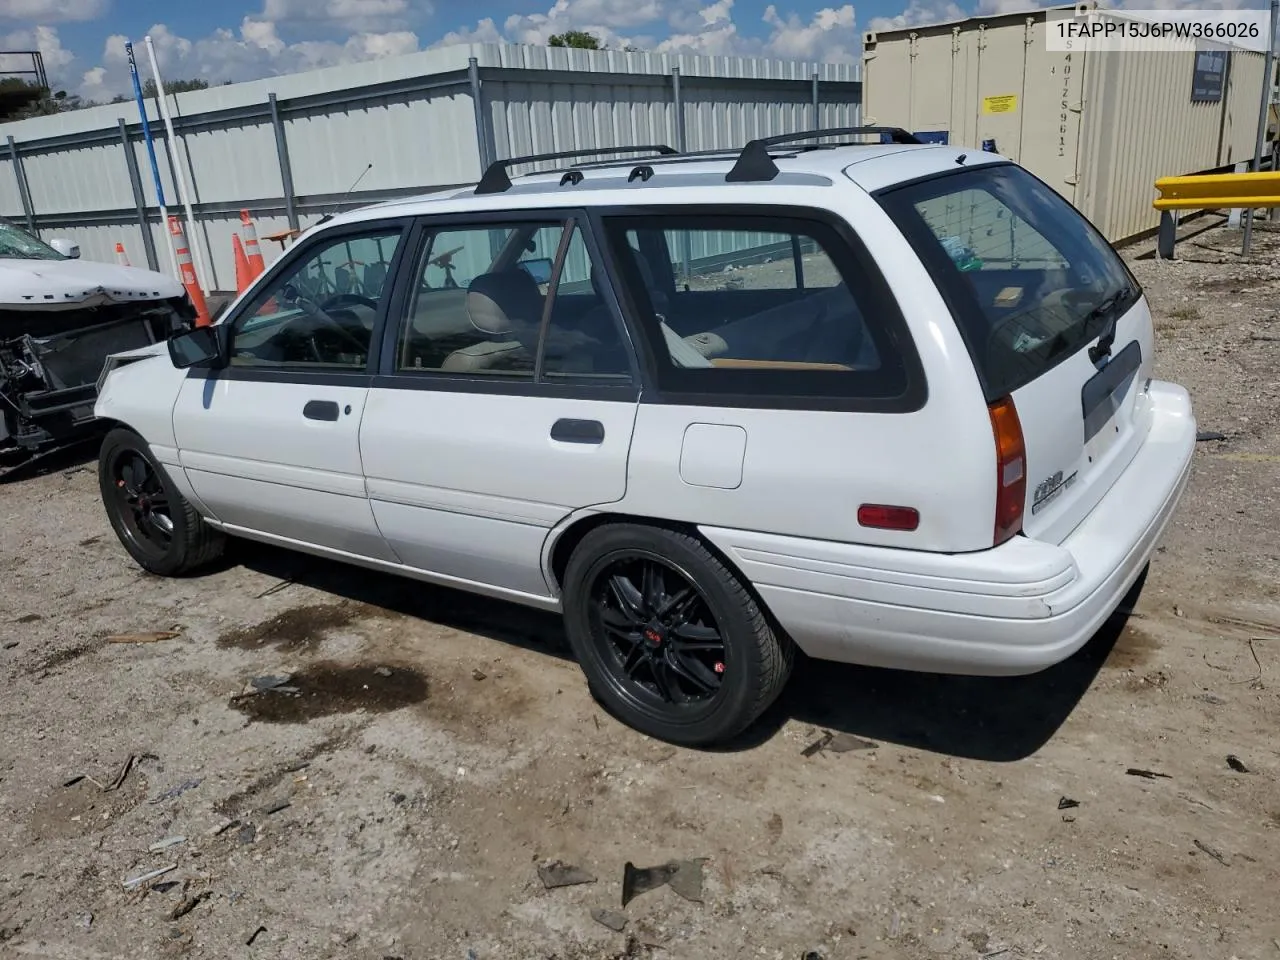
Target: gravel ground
{"type": "Point", "coordinates": [441, 748]}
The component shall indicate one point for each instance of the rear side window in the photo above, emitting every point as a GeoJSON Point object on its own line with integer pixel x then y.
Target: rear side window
{"type": "Point", "coordinates": [511, 301]}
{"type": "Point", "coordinates": [761, 306]}
{"type": "Point", "coordinates": [1028, 278]}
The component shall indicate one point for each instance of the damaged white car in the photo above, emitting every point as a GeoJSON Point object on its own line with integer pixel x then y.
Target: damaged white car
{"type": "Point", "coordinates": [60, 317]}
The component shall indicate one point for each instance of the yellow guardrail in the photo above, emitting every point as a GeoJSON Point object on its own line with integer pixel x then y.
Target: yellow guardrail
{"type": "Point", "coordinates": [1219, 191]}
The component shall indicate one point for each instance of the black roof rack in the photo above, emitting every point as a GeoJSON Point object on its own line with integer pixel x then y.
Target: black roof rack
{"type": "Point", "coordinates": [755, 165]}
{"type": "Point", "coordinates": [685, 156]}
{"type": "Point", "coordinates": [496, 180]}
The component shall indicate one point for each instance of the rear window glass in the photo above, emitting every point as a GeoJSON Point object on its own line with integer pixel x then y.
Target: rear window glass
{"type": "Point", "coordinates": [1029, 279]}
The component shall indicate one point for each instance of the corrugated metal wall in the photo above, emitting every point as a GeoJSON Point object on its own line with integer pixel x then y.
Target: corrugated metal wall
{"type": "Point", "coordinates": [1152, 130]}
{"type": "Point", "coordinates": [1099, 128]}
{"type": "Point", "coordinates": [413, 118]}
{"type": "Point", "coordinates": [9, 196]}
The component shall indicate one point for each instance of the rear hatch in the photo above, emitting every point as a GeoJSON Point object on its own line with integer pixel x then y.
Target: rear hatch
{"type": "Point", "coordinates": [1053, 319]}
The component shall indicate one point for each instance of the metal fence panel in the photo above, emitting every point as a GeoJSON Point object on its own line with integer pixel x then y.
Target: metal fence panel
{"type": "Point", "coordinates": [412, 142]}
{"type": "Point", "coordinates": [10, 198]}
{"type": "Point", "coordinates": [69, 181]}
{"type": "Point", "coordinates": [228, 162]}
{"type": "Point", "coordinates": [413, 118]}
{"type": "Point", "coordinates": [532, 118]}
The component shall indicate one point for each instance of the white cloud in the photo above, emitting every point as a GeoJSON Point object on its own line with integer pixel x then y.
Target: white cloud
{"type": "Point", "coordinates": [613, 13]}
{"type": "Point", "coordinates": [694, 17]}
{"type": "Point", "coordinates": [692, 26]}
{"type": "Point", "coordinates": [45, 39]}
{"type": "Point", "coordinates": [829, 36]}
{"type": "Point", "coordinates": [52, 11]}
{"type": "Point", "coordinates": [262, 34]}
{"type": "Point", "coordinates": [295, 35]}
{"type": "Point", "coordinates": [707, 30]}
{"type": "Point", "coordinates": [486, 31]}
{"type": "Point", "coordinates": [257, 50]}
{"type": "Point", "coordinates": [363, 16]}
{"type": "Point", "coordinates": [918, 13]}
{"type": "Point", "coordinates": [598, 17]}
{"type": "Point", "coordinates": [992, 7]}
{"type": "Point", "coordinates": [720, 40]}
{"type": "Point", "coordinates": [374, 46]}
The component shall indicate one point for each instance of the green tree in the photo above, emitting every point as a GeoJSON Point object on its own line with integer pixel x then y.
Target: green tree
{"type": "Point", "coordinates": [20, 99]}
{"type": "Point", "coordinates": [174, 86]}
{"type": "Point", "coordinates": [579, 39]}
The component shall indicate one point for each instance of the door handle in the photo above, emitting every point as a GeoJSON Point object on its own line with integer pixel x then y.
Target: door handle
{"type": "Point", "coordinates": [321, 410]}
{"type": "Point", "coordinates": [578, 431]}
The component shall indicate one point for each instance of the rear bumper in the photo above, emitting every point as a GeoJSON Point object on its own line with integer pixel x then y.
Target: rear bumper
{"type": "Point", "coordinates": [1014, 609]}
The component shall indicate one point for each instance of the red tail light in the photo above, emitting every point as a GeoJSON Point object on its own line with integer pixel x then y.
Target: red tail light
{"type": "Point", "coordinates": [885, 517]}
{"type": "Point", "coordinates": [1011, 469]}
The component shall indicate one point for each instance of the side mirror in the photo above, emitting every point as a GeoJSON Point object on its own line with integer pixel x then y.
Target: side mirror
{"type": "Point", "coordinates": [66, 247]}
{"type": "Point", "coordinates": [202, 347]}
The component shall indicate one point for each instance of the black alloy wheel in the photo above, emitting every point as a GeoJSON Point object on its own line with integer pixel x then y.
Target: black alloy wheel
{"type": "Point", "coordinates": [672, 640]}
{"type": "Point", "coordinates": [141, 502]}
{"type": "Point", "coordinates": [662, 643]}
{"type": "Point", "coordinates": [156, 524]}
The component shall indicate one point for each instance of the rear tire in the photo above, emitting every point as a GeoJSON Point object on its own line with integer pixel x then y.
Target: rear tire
{"type": "Point", "coordinates": [159, 528]}
{"type": "Point", "coordinates": [671, 640]}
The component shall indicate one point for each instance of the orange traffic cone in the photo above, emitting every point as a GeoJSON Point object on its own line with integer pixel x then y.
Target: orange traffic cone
{"type": "Point", "coordinates": [122, 258]}
{"type": "Point", "coordinates": [252, 250]}
{"type": "Point", "coordinates": [188, 272]}
{"type": "Point", "coordinates": [244, 274]}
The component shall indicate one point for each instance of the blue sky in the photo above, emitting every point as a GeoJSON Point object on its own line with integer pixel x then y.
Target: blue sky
{"type": "Point", "coordinates": [83, 40]}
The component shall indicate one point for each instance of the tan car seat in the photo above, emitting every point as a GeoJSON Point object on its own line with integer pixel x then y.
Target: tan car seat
{"type": "Point", "coordinates": [505, 307]}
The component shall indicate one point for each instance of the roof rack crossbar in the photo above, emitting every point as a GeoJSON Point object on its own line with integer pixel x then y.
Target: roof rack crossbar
{"type": "Point", "coordinates": [496, 179]}
{"type": "Point", "coordinates": [754, 164]}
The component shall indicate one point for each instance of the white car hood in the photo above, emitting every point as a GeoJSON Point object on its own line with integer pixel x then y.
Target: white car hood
{"type": "Point", "coordinates": [75, 284]}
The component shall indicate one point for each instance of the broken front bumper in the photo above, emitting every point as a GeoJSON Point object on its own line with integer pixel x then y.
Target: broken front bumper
{"type": "Point", "coordinates": [50, 364]}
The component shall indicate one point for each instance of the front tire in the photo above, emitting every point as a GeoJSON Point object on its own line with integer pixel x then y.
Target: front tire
{"type": "Point", "coordinates": [671, 640]}
{"type": "Point", "coordinates": [159, 528]}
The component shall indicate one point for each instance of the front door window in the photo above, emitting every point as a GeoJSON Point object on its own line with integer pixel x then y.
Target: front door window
{"type": "Point", "coordinates": [321, 311]}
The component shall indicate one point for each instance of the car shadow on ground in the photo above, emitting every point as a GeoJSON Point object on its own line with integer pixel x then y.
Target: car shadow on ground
{"type": "Point", "coordinates": [1000, 719]}
{"type": "Point", "coordinates": [495, 619]}
{"type": "Point", "coordinates": [82, 454]}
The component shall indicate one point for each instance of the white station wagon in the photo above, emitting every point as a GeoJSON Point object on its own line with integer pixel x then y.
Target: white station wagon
{"type": "Point", "coordinates": [888, 403]}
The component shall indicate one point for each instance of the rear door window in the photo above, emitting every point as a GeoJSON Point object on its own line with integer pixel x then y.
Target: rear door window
{"type": "Point", "coordinates": [763, 306]}
{"type": "Point", "coordinates": [515, 301]}
{"type": "Point", "coordinates": [1028, 278]}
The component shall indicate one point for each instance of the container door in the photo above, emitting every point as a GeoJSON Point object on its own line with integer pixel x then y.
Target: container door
{"type": "Point", "coordinates": [1001, 106]}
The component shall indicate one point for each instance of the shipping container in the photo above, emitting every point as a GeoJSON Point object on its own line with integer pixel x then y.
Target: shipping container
{"type": "Point", "coordinates": [1099, 127]}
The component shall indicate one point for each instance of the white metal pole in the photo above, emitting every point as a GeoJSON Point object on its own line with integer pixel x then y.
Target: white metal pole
{"type": "Point", "coordinates": [1264, 114]}
{"type": "Point", "coordinates": [193, 237]}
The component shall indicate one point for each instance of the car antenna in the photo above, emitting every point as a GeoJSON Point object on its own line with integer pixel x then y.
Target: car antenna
{"type": "Point", "coordinates": [329, 216]}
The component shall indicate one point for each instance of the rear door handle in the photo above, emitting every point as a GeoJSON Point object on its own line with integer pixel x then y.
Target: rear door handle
{"type": "Point", "coordinates": [578, 431]}
{"type": "Point", "coordinates": [321, 410]}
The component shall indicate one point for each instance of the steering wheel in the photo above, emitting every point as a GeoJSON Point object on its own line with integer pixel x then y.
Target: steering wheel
{"type": "Point", "coordinates": [343, 299]}
{"type": "Point", "coordinates": [317, 312]}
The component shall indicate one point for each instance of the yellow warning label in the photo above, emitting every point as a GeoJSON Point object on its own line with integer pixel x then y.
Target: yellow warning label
{"type": "Point", "coordinates": [1005, 103]}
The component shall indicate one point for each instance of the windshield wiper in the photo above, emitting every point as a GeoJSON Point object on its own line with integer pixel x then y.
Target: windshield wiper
{"type": "Point", "coordinates": [1103, 347]}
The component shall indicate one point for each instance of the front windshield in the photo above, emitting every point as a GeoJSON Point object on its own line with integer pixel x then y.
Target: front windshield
{"type": "Point", "coordinates": [17, 244]}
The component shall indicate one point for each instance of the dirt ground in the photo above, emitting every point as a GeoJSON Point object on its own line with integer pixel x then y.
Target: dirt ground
{"type": "Point", "coordinates": [431, 751]}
